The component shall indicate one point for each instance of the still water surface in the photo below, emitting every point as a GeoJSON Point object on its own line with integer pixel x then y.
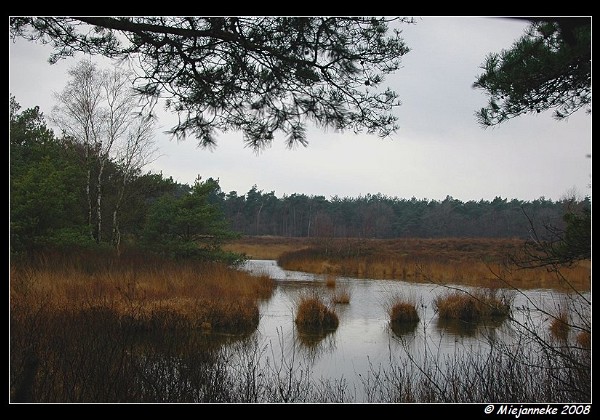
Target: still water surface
{"type": "Point", "coordinates": [364, 339]}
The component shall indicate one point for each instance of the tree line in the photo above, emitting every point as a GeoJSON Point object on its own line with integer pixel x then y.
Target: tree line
{"type": "Point", "coordinates": [380, 216]}
{"type": "Point", "coordinates": [54, 203]}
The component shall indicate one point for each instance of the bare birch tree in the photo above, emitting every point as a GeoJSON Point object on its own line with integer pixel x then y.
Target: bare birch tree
{"type": "Point", "coordinates": [79, 115]}
{"type": "Point", "coordinates": [136, 152]}
{"type": "Point", "coordinates": [100, 110]}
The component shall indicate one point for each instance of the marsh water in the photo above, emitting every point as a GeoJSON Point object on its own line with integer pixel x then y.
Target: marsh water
{"type": "Point", "coordinates": [364, 341]}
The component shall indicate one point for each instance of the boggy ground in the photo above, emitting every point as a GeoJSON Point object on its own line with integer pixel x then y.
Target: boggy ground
{"type": "Point", "coordinates": [87, 327]}
{"type": "Point", "coordinates": [484, 262]}
{"type": "Point", "coordinates": [91, 328]}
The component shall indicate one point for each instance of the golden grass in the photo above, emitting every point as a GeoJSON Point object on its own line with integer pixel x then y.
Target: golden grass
{"type": "Point", "coordinates": [403, 314]}
{"type": "Point", "coordinates": [472, 306]}
{"type": "Point", "coordinates": [481, 262]}
{"type": "Point", "coordinates": [313, 313]}
{"type": "Point", "coordinates": [207, 296]}
{"type": "Point", "coordinates": [559, 326]}
{"type": "Point", "coordinates": [330, 281]}
{"type": "Point", "coordinates": [341, 296]}
{"type": "Point", "coordinates": [584, 339]}
{"type": "Point", "coordinates": [265, 247]}
{"type": "Point", "coordinates": [402, 311]}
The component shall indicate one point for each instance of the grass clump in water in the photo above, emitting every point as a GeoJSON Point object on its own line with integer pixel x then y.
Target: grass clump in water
{"type": "Point", "coordinates": [313, 313]}
{"type": "Point", "coordinates": [403, 312]}
{"type": "Point", "coordinates": [403, 315]}
{"type": "Point", "coordinates": [472, 307]}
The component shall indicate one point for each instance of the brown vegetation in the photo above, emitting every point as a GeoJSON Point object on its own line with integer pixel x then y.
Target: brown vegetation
{"type": "Point", "coordinates": [403, 315]}
{"type": "Point", "coordinates": [313, 313]}
{"type": "Point", "coordinates": [330, 281]}
{"type": "Point", "coordinates": [471, 307]}
{"type": "Point", "coordinates": [584, 339]}
{"type": "Point", "coordinates": [403, 312]}
{"type": "Point", "coordinates": [341, 296]}
{"type": "Point", "coordinates": [142, 293]}
{"type": "Point", "coordinates": [92, 355]}
{"type": "Point", "coordinates": [92, 328]}
{"type": "Point", "coordinates": [559, 326]}
{"type": "Point", "coordinates": [480, 262]}
{"type": "Point", "coordinates": [265, 247]}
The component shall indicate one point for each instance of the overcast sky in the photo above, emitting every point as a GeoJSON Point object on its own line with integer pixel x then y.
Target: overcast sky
{"type": "Point", "coordinates": [439, 150]}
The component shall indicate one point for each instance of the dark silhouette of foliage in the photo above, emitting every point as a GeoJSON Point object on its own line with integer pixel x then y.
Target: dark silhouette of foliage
{"type": "Point", "coordinates": [189, 225]}
{"type": "Point", "coordinates": [549, 68]}
{"type": "Point", "coordinates": [258, 75]}
{"type": "Point", "coordinates": [564, 245]}
{"type": "Point", "coordinates": [379, 216]}
{"type": "Point", "coordinates": [44, 179]}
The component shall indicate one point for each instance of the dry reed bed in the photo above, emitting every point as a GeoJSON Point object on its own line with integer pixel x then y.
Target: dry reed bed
{"type": "Point", "coordinates": [86, 327]}
{"type": "Point", "coordinates": [266, 247]}
{"type": "Point", "coordinates": [69, 344]}
{"type": "Point", "coordinates": [472, 262]}
{"type": "Point", "coordinates": [203, 295]}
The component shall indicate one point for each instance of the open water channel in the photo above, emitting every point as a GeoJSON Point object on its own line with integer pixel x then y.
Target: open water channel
{"type": "Point", "coordinates": [364, 341]}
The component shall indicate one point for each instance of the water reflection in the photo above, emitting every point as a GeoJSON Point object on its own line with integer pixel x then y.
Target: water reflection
{"type": "Point", "coordinates": [315, 343]}
{"type": "Point", "coordinates": [456, 327]}
{"type": "Point", "coordinates": [403, 328]}
{"type": "Point", "coordinates": [463, 328]}
{"type": "Point", "coordinates": [312, 337]}
{"type": "Point", "coordinates": [365, 337]}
